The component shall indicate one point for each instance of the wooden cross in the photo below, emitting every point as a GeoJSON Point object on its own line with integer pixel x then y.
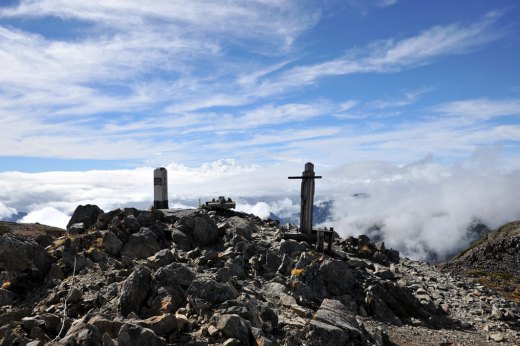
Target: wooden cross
{"type": "Point", "coordinates": [307, 197]}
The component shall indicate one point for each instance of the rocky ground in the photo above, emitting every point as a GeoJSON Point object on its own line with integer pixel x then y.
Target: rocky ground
{"type": "Point", "coordinates": [197, 277]}
{"type": "Point", "coordinates": [494, 261]}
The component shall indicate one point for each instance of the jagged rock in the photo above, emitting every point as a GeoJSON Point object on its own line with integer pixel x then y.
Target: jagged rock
{"type": "Point", "coordinates": [112, 244]}
{"type": "Point", "coordinates": [161, 325]}
{"type": "Point", "coordinates": [135, 291]}
{"type": "Point", "coordinates": [205, 232]}
{"type": "Point", "coordinates": [324, 334]}
{"type": "Point", "coordinates": [336, 276]}
{"type": "Point", "coordinates": [52, 323]}
{"type": "Point", "coordinates": [141, 245]}
{"type": "Point", "coordinates": [132, 334]}
{"type": "Point", "coordinates": [82, 333]}
{"type": "Point", "coordinates": [104, 219]}
{"type": "Point", "coordinates": [6, 297]}
{"type": "Point", "coordinates": [241, 227]}
{"type": "Point", "coordinates": [87, 214]}
{"type": "Point", "coordinates": [234, 326]}
{"type": "Point", "coordinates": [183, 240]}
{"type": "Point", "coordinates": [35, 343]}
{"type": "Point", "coordinates": [269, 319]}
{"type": "Point", "coordinates": [232, 269]}
{"type": "Point", "coordinates": [131, 225]}
{"type": "Point", "coordinates": [161, 258]}
{"type": "Point", "coordinates": [106, 326]}
{"type": "Point", "coordinates": [291, 247]}
{"type": "Point", "coordinates": [23, 255]}
{"type": "Point", "coordinates": [75, 295]}
{"type": "Point", "coordinates": [212, 291]}
{"type": "Point", "coordinates": [76, 228]}
{"type": "Point", "coordinates": [272, 262]}
{"type": "Point", "coordinates": [175, 274]}
{"type": "Point", "coordinates": [333, 312]}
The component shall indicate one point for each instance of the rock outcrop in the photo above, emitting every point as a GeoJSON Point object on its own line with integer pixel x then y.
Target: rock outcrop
{"type": "Point", "coordinates": [194, 277]}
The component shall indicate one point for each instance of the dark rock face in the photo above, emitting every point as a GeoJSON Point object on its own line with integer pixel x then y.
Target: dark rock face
{"type": "Point", "coordinates": [334, 325]}
{"type": "Point", "coordinates": [212, 291]}
{"type": "Point", "coordinates": [135, 291]}
{"type": "Point", "coordinates": [175, 274]}
{"type": "Point", "coordinates": [87, 214]}
{"type": "Point", "coordinates": [104, 219]}
{"type": "Point", "coordinates": [23, 264]}
{"type": "Point", "coordinates": [112, 244]}
{"type": "Point", "coordinates": [242, 227]}
{"type": "Point", "coordinates": [336, 276]}
{"type": "Point", "coordinates": [23, 255]}
{"type": "Point", "coordinates": [132, 334]}
{"type": "Point", "coordinates": [183, 240]}
{"type": "Point", "coordinates": [141, 245]}
{"type": "Point", "coordinates": [234, 326]}
{"type": "Point", "coordinates": [205, 231]}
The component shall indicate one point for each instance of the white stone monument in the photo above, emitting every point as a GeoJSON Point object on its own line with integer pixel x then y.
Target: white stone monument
{"type": "Point", "coordinates": [160, 188]}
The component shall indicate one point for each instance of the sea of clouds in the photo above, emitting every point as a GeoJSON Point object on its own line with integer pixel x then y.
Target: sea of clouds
{"type": "Point", "coordinates": [419, 208]}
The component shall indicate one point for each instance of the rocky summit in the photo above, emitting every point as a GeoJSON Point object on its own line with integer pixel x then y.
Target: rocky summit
{"type": "Point", "coordinates": [199, 277]}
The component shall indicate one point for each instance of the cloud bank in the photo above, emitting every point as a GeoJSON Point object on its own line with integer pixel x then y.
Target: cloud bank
{"type": "Point", "coordinates": [421, 208]}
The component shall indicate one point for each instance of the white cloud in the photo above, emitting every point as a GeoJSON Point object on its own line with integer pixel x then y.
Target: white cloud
{"type": "Point", "coordinates": [425, 206]}
{"type": "Point", "coordinates": [390, 55]}
{"type": "Point", "coordinates": [260, 209]}
{"type": "Point", "coordinates": [47, 216]}
{"type": "Point", "coordinates": [6, 211]}
{"type": "Point", "coordinates": [480, 108]}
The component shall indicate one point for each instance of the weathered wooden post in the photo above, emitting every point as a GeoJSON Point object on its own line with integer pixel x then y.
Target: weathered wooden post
{"type": "Point", "coordinates": [160, 188]}
{"type": "Point", "coordinates": [307, 198]}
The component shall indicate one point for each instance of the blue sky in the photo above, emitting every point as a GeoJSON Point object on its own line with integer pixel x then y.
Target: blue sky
{"type": "Point", "coordinates": [122, 84]}
{"type": "Point", "coordinates": [416, 103]}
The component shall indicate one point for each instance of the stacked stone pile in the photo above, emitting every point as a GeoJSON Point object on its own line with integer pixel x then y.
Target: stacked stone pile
{"type": "Point", "coordinates": [194, 277]}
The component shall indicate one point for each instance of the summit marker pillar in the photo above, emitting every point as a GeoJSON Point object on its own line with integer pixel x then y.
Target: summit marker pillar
{"type": "Point", "coordinates": [160, 188]}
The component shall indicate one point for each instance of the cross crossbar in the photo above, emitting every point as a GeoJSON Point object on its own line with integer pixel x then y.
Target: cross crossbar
{"type": "Point", "coordinates": [313, 177]}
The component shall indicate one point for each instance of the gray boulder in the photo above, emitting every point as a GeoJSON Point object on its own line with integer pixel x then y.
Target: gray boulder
{"type": "Point", "coordinates": [241, 227]}
{"type": "Point", "coordinates": [112, 244]}
{"type": "Point", "coordinates": [76, 228]}
{"type": "Point", "coordinates": [131, 334]}
{"type": "Point", "coordinates": [234, 326]}
{"type": "Point", "coordinates": [337, 277]}
{"type": "Point", "coordinates": [23, 255]}
{"type": "Point", "coordinates": [6, 297]}
{"type": "Point", "coordinates": [135, 290]}
{"type": "Point", "coordinates": [205, 232]}
{"type": "Point", "coordinates": [333, 324]}
{"type": "Point", "coordinates": [82, 333]}
{"type": "Point", "coordinates": [268, 318]}
{"type": "Point", "coordinates": [324, 334]}
{"type": "Point", "coordinates": [88, 214]}
{"type": "Point", "coordinates": [174, 274]}
{"type": "Point", "coordinates": [162, 258]}
{"type": "Point", "coordinates": [131, 225]}
{"type": "Point", "coordinates": [104, 219]}
{"type": "Point", "coordinates": [291, 247]}
{"type": "Point", "coordinates": [212, 291]}
{"type": "Point", "coordinates": [183, 240]}
{"type": "Point", "coordinates": [141, 245]}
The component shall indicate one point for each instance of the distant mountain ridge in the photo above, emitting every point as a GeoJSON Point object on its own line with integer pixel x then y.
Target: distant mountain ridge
{"type": "Point", "coordinates": [322, 212]}
{"type": "Point", "coordinates": [15, 217]}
